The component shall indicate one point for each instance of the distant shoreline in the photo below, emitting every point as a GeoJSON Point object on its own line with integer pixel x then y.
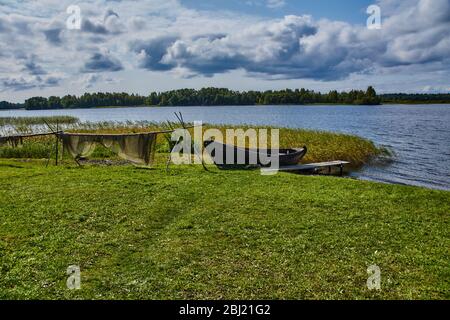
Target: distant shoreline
{"type": "Point", "coordinates": [211, 97]}
{"type": "Point", "coordinates": [249, 105]}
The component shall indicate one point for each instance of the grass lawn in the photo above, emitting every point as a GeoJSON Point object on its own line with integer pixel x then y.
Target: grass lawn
{"type": "Point", "coordinates": [190, 234]}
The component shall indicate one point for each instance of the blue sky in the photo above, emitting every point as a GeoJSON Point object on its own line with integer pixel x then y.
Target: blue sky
{"type": "Point", "coordinates": [139, 46]}
{"type": "Point", "coordinates": [353, 11]}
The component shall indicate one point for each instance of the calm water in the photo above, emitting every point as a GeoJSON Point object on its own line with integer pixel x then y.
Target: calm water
{"type": "Point", "coordinates": [418, 135]}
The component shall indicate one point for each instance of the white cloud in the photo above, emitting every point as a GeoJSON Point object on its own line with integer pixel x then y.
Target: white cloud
{"type": "Point", "coordinates": [163, 35]}
{"type": "Point", "coordinates": [436, 89]}
{"type": "Point", "coordinates": [271, 4]}
{"type": "Point", "coordinates": [275, 3]}
{"type": "Point", "coordinates": [299, 47]}
{"type": "Point", "coordinates": [90, 80]}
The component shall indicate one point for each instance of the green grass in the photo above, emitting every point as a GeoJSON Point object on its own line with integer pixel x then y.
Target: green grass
{"type": "Point", "coordinates": [190, 234]}
{"type": "Point", "coordinates": [322, 146]}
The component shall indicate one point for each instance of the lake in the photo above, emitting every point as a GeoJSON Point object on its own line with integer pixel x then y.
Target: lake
{"type": "Point", "coordinates": [419, 135]}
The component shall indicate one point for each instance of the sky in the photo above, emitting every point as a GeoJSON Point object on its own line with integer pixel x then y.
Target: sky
{"type": "Point", "coordinates": [140, 46]}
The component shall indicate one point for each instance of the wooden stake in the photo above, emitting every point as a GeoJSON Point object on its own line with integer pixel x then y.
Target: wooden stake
{"type": "Point", "coordinates": [57, 143]}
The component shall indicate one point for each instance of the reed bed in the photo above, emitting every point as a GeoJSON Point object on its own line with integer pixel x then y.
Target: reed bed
{"type": "Point", "coordinates": [322, 146]}
{"type": "Point", "coordinates": [30, 121]}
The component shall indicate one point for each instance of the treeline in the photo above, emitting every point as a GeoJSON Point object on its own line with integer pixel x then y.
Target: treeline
{"type": "Point", "coordinates": [87, 100]}
{"type": "Point", "coordinates": [4, 105]}
{"type": "Point", "coordinates": [415, 98]}
{"type": "Point", "coordinates": [224, 97]}
{"type": "Point", "coordinates": [204, 97]}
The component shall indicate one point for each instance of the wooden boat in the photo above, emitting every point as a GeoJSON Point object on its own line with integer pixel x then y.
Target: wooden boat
{"type": "Point", "coordinates": [253, 157]}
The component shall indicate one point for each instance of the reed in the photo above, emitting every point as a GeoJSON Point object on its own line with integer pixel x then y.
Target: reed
{"type": "Point", "coordinates": [30, 121]}
{"type": "Point", "coordinates": [322, 146]}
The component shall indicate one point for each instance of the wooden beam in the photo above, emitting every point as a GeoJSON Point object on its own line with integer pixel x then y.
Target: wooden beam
{"type": "Point", "coordinates": [121, 134]}
{"type": "Point", "coordinates": [311, 166]}
{"type": "Point", "coordinates": [57, 143]}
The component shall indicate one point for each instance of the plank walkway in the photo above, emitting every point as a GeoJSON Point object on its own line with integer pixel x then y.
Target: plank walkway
{"type": "Point", "coordinates": [312, 166]}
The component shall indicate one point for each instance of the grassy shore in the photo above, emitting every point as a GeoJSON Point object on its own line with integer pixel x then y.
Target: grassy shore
{"type": "Point", "coordinates": [190, 234]}
{"type": "Point", "coordinates": [322, 146]}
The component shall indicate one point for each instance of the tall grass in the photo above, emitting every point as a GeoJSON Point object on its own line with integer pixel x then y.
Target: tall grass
{"type": "Point", "coordinates": [32, 148]}
{"type": "Point", "coordinates": [322, 146]}
{"type": "Point", "coordinates": [28, 121]}
{"type": "Point", "coordinates": [25, 125]}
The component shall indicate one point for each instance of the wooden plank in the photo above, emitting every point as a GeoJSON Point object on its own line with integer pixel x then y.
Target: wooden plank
{"type": "Point", "coordinates": [122, 134]}
{"type": "Point", "coordinates": [310, 166]}
{"type": "Point", "coordinates": [57, 144]}
{"type": "Point", "coordinates": [323, 164]}
{"type": "Point", "coordinates": [112, 134]}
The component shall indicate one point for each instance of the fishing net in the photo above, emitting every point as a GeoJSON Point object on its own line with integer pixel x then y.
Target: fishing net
{"type": "Point", "coordinates": [137, 148]}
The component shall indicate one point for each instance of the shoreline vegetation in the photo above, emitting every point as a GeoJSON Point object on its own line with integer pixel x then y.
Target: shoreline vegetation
{"type": "Point", "coordinates": [224, 97]}
{"type": "Point", "coordinates": [323, 146]}
{"type": "Point", "coordinates": [28, 121]}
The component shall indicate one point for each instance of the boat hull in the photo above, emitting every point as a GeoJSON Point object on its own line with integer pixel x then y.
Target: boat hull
{"type": "Point", "coordinates": [244, 157]}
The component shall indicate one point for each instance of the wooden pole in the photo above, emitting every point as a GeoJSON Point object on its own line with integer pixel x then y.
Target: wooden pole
{"type": "Point", "coordinates": [57, 143]}
{"type": "Point", "coordinates": [62, 151]}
